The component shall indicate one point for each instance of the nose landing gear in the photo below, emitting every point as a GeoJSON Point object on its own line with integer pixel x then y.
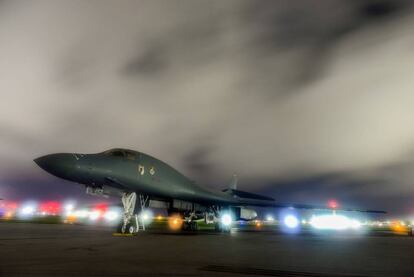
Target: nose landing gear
{"type": "Point", "coordinates": [130, 223]}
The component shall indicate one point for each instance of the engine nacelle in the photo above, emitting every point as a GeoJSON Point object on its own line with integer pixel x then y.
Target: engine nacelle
{"type": "Point", "coordinates": [247, 214]}
{"type": "Point", "coordinates": [241, 213]}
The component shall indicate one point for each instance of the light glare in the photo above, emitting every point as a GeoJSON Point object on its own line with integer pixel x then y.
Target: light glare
{"type": "Point", "coordinates": [334, 222]}
{"type": "Point", "coordinates": [111, 215]}
{"type": "Point", "coordinates": [28, 210]}
{"type": "Point", "coordinates": [226, 219]}
{"type": "Point", "coordinates": [146, 216]}
{"type": "Point", "coordinates": [94, 215]}
{"type": "Point", "coordinates": [81, 213]}
{"type": "Point", "coordinates": [291, 221]}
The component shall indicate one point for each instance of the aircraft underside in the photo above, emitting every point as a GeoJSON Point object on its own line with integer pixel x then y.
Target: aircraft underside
{"type": "Point", "coordinates": [189, 213]}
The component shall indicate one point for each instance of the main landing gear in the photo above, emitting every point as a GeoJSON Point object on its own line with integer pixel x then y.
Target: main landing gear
{"type": "Point", "coordinates": [130, 223]}
{"type": "Point", "coordinates": [189, 223]}
{"type": "Point", "coordinates": [220, 217]}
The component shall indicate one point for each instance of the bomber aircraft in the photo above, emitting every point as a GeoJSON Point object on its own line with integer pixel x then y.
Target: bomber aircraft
{"type": "Point", "coordinates": [135, 176]}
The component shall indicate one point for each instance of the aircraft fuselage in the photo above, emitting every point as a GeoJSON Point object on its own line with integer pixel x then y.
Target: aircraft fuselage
{"type": "Point", "coordinates": [130, 171]}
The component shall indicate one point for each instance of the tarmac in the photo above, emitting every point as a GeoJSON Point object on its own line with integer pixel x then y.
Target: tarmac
{"type": "Point", "coordinates": [81, 250]}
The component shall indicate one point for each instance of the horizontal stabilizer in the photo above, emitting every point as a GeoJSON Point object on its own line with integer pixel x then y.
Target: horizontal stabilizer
{"type": "Point", "coordinates": [316, 207]}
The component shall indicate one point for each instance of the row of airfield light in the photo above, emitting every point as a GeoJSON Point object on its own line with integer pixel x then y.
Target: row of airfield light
{"type": "Point", "coordinates": [287, 219]}
{"type": "Point", "coordinates": [100, 212]}
{"type": "Point", "coordinates": [33, 209]}
{"type": "Point", "coordinates": [321, 222]}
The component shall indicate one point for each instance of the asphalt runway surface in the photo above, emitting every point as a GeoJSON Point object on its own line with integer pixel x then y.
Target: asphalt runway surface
{"type": "Point", "coordinates": [74, 250]}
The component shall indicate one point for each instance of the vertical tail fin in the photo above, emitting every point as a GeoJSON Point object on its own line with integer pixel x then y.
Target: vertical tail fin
{"type": "Point", "coordinates": [233, 182]}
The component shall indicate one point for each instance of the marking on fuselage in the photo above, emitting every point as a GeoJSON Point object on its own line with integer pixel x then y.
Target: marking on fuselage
{"type": "Point", "coordinates": [152, 170]}
{"type": "Point", "coordinates": [141, 169]}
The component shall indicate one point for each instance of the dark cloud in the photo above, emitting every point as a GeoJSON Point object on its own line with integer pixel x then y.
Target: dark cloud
{"type": "Point", "coordinates": [151, 62]}
{"type": "Point", "coordinates": [374, 10]}
{"type": "Point", "coordinates": [314, 28]}
{"type": "Point", "coordinates": [197, 161]}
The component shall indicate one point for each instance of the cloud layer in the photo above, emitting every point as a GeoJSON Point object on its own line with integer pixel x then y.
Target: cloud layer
{"type": "Point", "coordinates": [277, 92]}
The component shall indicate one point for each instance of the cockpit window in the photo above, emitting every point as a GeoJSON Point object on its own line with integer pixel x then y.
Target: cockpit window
{"type": "Point", "coordinates": [118, 153]}
{"type": "Point", "coordinates": [115, 152]}
{"type": "Point", "coordinates": [130, 155]}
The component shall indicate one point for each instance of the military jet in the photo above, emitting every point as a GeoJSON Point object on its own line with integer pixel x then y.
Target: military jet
{"type": "Point", "coordinates": [135, 176]}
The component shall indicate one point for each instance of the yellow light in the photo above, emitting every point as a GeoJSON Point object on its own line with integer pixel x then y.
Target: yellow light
{"type": "Point", "coordinates": [71, 219]}
{"type": "Point", "coordinates": [398, 227]}
{"type": "Point", "coordinates": [175, 222]}
{"type": "Point", "coordinates": [159, 217]}
{"type": "Point", "coordinates": [8, 215]}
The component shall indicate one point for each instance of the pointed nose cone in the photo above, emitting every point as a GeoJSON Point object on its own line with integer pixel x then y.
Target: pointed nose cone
{"type": "Point", "coordinates": [60, 165]}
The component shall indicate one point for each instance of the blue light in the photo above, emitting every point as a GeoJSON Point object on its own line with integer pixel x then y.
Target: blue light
{"type": "Point", "coordinates": [291, 221]}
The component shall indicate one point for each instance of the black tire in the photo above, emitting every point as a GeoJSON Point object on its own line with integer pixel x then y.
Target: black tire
{"type": "Point", "coordinates": [124, 229]}
{"type": "Point", "coordinates": [185, 226]}
{"type": "Point", "coordinates": [131, 229]}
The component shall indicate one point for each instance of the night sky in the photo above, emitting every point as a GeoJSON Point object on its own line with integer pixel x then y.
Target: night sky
{"type": "Point", "coordinates": [305, 101]}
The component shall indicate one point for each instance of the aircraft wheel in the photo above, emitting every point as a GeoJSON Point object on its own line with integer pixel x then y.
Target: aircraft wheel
{"type": "Point", "coordinates": [193, 226]}
{"type": "Point", "coordinates": [124, 228]}
{"type": "Point", "coordinates": [190, 226]}
{"type": "Point", "coordinates": [119, 228]}
{"type": "Point", "coordinates": [131, 229]}
{"type": "Point", "coordinates": [184, 227]}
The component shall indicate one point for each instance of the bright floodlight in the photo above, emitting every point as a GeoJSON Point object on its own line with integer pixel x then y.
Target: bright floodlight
{"type": "Point", "coordinates": [69, 207]}
{"type": "Point", "coordinates": [111, 215]}
{"type": "Point", "coordinates": [355, 224]}
{"type": "Point", "coordinates": [226, 219]}
{"type": "Point", "coordinates": [291, 221]}
{"type": "Point", "coordinates": [146, 216]}
{"type": "Point", "coordinates": [269, 218]}
{"type": "Point", "coordinates": [334, 222]}
{"type": "Point", "coordinates": [28, 210]}
{"type": "Point", "coordinates": [94, 215]}
{"type": "Point", "coordinates": [81, 213]}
